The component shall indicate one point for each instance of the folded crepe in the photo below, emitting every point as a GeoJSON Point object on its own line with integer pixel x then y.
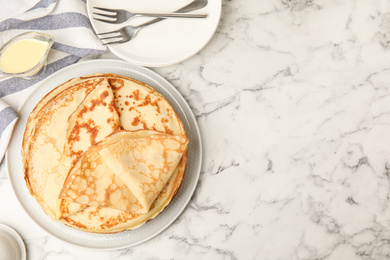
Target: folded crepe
{"type": "Point", "coordinates": [126, 171]}
{"type": "Point", "coordinates": [45, 165]}
{"type": "Point", "coordinates": [95, 118]}
{"type": "Point", "coordinates": [51, 147]}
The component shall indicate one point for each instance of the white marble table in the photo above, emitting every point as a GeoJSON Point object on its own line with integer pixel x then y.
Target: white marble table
{"type": "Point", "coordinates": [293, 101]}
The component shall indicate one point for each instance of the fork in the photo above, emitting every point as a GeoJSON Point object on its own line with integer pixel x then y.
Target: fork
{"type": "Point", "coordinates": [127, 33]}
{"type": "Point", "coordinates": [122, 16]}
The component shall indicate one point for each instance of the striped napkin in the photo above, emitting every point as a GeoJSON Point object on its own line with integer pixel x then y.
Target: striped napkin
{"type": "Point", "coordinates": [68, 22]}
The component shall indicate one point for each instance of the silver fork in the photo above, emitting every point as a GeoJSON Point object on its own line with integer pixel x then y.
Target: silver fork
{"type": "Point", "coordinates": [122, 16]}
{"type": "Point", "coordinates": [127, 33]}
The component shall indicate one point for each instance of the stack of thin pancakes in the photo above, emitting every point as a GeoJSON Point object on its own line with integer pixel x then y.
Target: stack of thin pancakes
{"type": "Point", "coordinates": [104, 153]}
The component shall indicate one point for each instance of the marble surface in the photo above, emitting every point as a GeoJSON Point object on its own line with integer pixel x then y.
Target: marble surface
{"type": "Point", "coordinates": [292, 98]}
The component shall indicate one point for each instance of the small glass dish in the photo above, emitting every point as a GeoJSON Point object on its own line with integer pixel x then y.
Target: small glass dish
{"type": "Point", "coordinates": [39, 69]}
{"type": "Point", "coordinates": [11, 244]}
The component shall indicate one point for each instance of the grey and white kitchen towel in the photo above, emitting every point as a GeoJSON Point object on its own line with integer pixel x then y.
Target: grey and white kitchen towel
{"type": "Point", "coordinates": [68, 22]}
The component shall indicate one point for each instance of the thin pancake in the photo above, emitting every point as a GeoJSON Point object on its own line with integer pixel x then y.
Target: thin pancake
{"type": "Point", "coordinates": [139, 106]}
{"type": "Point", "coordinates": [127, 174]}
{"type": "Point", "coordinates": [110, 220]}
{"type": "Point", "coordinates": [91, 183]}
{"type": "Point", "coordinates": [47, 165]}
{"type": "Point", "coordinates": [135, 96]}
{"type": "Point", "coordinates": [43, 151]}
{"type": "Point", "coordinates": [35, 116]}
{"type": "Point", "coordinates": [94, 119]}
{"type": "Point", "coordinates": [145, 164]}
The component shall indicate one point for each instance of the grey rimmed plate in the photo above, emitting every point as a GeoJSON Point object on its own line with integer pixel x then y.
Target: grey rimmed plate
{"type": "Point", "coordinates": [126, 238]}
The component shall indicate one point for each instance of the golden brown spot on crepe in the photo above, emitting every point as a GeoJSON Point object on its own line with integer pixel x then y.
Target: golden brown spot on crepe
{"type": "Point", "coordinates": [75, 134]}
{"type": "Point", "coordinates": [118, 126]}
{"type": "Point", "coordinates": [96, 102]}
{"type": "Point", "coordinates": [167, 130]}
{"type": "Point", "coordinates": [113, 221]}
{"type": "Point", "coordinates": [116, 83]}
{"type": "Point", "coordinates": [27, 180]}
{"type": "Point", "coordinates": [127, 103]}
{"type": "Point", "coordinates": [75, 154]}
{"type": "Point", "coordinates": [75, 223]}
{"type": "Point", "coordinates": [145, 125]}
{"type": "Point", "coordinates": [112, 106]}
{"type": "Point", "coordinates": [93, 213]}
{"type": "Point", "coordinates": [148, 101]}
{"type": "Point", "coordinates": [97, 210]}
{"type": "Point", "coordinates": [168, 111]}
{"type": "Point", "coordinates": [64, 209]}
{"type": "Point", "coordinates": [135, 121]}
{"type": "Point", "coordinates": [136, 94]}
{"type": "Point", "coordinates": [104, 95]}
{"type": "Point", "coordinates": [82, 111]}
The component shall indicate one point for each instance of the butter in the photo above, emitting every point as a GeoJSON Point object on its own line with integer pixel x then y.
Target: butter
{"type": "Point", "coordinates": [23, 55]}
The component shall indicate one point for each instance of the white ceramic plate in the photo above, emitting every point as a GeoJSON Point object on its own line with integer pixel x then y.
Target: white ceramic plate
{"type": "Point", "coordinates": [164, 43]}
{"type": "Point", "coordinates": [126, 238]}
{"type": "Point", "coordinates": [17, 238]}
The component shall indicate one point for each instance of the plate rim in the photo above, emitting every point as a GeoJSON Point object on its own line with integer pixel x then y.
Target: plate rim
{"type": "Point", "coordinates": [156, 64]}
{"type": "Point", "coordinates": [119, 64]}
